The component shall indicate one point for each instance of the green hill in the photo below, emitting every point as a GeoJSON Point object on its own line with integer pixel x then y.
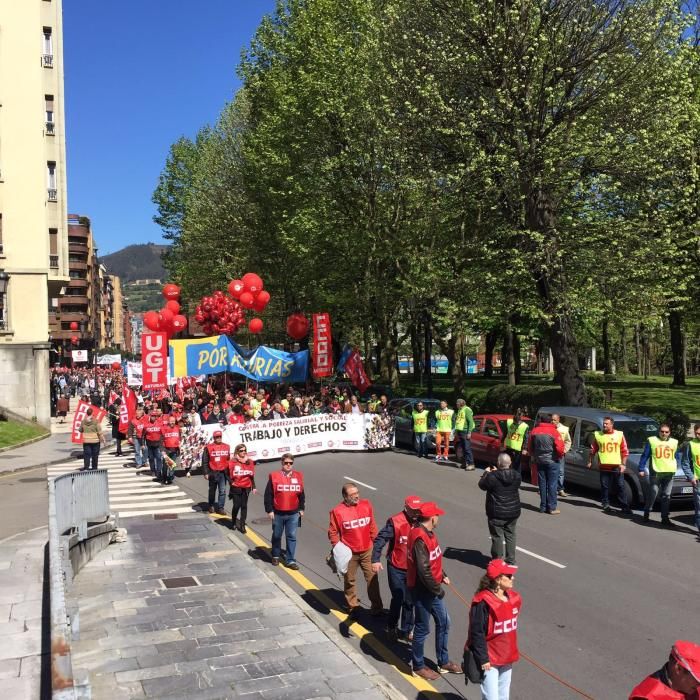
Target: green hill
{"type": "Point", "coordinates": [136, 262]}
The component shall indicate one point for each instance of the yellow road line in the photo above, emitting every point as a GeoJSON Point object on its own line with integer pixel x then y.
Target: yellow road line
{"type": "Point", "coordinates": [355, 627]}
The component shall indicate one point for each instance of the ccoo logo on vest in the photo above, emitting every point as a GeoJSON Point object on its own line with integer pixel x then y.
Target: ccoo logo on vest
{"type": "Point", "coordinates": [435, 553]}
{"type": "Point", "coordinates": [354, 524]}
{"type": "Point", "coordinates": [289, 488]}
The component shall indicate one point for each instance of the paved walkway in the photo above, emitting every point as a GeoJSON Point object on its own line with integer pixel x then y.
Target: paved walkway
{"type": "Point", "coordinates": [23, 616]}
{"type": "Point", "coordinates": [180, 610]}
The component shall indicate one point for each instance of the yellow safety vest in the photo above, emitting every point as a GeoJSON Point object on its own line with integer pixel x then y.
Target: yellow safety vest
{"type": "Point", "coordinates": [444, 420]}
{"type": "Point", "coordinates": [695, 456]}
{"type": "Point", "coordinates": [609, 448]}
{"type": "Point", "coordinates": [515, 435]}
{"type": "Point", "coordinates": [663, 455]}
{"type": "Point", "coordinates": [420, 421]}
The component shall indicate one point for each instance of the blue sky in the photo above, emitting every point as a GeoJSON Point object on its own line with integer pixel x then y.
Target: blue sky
{"type": "Point", "coordinates": [138, 75]}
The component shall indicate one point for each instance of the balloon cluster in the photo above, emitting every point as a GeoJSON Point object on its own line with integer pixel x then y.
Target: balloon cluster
{"type": "Point", "coordinates": [169, 319]}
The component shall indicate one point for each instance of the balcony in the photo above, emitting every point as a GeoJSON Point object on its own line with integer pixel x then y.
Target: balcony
{"type": "Point", "coordinates": [50, 129]}
{"type": "Point", "coordinates": [77, 231]}
{"type": "Point", "coordinates": [52, 195]}
{"type": "Point", "coordinates": [75, 299]}
{"type": "Point", "coordinates": [79, 283]}
{"type": "Point", "coordinates": [77, 265]}
{"type": "Point", "coordinates": [68, 318]}
{"type": "Point", "coordinates": [47, 60]}
{"type": "Point", "coordinates": [75, 247]}
{"type": "Point", "coordinates": [53, 261]}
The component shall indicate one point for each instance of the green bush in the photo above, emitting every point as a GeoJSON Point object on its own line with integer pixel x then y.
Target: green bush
{"type": "Point", "coordinates": [609, 378]}
{"type": "Point", "coordinates": [679, 421]}
{"type": "Point", "coordinates": [507, 399]}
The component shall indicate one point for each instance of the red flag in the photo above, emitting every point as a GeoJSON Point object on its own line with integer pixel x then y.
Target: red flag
{"type": "Point", "coordinates": [210, 390]}
{"type": "Point", "coordinates": [323, 346]}
{"type": "Point", "coordinates": [356, 371]}
{"type": "Point", "coordinates": [127, 409]}
{"type": "Point", "coordinates": [80, 412]}
{"type": "Point", "coordinates": [112, 396]}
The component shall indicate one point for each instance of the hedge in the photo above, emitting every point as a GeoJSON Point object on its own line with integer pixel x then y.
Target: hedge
{"type": "Point", "coordinates": [504, 398]}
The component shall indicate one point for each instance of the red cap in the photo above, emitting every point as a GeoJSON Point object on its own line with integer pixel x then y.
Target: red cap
{"type": "Point", "coordinates": [217, 433]}
{"type": "Point", "coordinates": [687, 655]}
{"type": "Point", "coordinates": [413, 502]}
{"type": "Point", "coordinates": [497, 567]}
{"type": "Point", "coordinates": [429, 509]}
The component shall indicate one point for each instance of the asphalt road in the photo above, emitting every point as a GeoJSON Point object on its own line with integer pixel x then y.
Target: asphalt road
{"type": "Point", "coordinates": [24, 501]}
{"type": "Point", "coordinates": [604, 596]}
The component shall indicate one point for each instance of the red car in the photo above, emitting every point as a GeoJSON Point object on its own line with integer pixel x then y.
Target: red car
{"type": "Point", "coordinates": [488, 436]}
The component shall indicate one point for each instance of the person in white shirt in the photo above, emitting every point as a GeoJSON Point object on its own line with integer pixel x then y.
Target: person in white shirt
{"type": "Point", "coordinates": [566, 438]}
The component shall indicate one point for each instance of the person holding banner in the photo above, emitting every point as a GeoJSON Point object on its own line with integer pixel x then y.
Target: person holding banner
{"type": "Point", "coordinates": [215, 465]}
{"type": "Point", "coordinates": [92, 434]}
{"type": "Point", "coordinates": [114, 419]}
{"type": "Point", "coordinates": [285, 500]}
{"type": "Point", "coordinates": [242, 477]}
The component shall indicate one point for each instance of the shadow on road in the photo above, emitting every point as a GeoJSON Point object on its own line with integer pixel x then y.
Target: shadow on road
{"type": "Point", "coordinates": [473, 557]}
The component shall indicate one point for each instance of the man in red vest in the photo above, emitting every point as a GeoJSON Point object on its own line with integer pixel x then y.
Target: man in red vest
{"type": "Point", "coordinates": [679, 679]}
{"type": "Point", "coordinates": [395, 533]}
{"type": "Point", "coordinates": [136, 435]}
{"type": "Point", "coordinates": [285, 501]}
{"type": "Point", "coordinates": [352, 523]}
{"type": "Point", "coordinates": [424, 578]}
{"type": "Point", "coordinates": [153, 432]}
{"type": "Point", "coordinates": [215, 459]}
{"type": "Point", "coordinates": [171, 447]}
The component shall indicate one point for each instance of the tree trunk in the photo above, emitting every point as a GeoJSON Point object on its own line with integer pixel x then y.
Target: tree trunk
{"type": "Point", "coordinates": [388, 372]}
{"type": "Point", "coordinates": [622, 355]}
{"type": "Point", "coordinates": [490, 345]}
{"type": "Point", "coordinates": [428, 349]}
{"type": "Point", "coordinates": [563, 346]}
{"type": "Point", "coordinates": [638, 349]}
{"type": "Point", "coordinates": [367, 341]}
{"type": "Point", "coordinates": [675, 323]}
{"type": "Point", "coordinates": [606, 346]}
{"type": "Point", "coordinates": [416, 350]}
{"type": "Point", "coordinates": [508, 359]}
{"type": "Point", "coordinates": [517, 360]}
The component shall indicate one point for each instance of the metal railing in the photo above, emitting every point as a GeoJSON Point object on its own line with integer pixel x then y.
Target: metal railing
{"type": "Point", "coordinates": [50, 128]}
{"type": "Point", "coordinates": [53, 260]}
{"type": "Point", "coordinates": [81, 498]}
{"type": "Point", "coordinates": [47, 60]}
{"type": "Point", "coordinates": [53, 195]}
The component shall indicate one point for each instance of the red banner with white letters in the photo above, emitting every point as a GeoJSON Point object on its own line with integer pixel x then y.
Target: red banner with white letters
{"type": "Point", "coordinates": [98, 414]}
{"type": "Point", "coordinates": [323, 346]}
{"type": "Point", "coordinates": [154, 360]}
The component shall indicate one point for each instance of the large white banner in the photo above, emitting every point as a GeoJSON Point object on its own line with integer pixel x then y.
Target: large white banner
{"type": "Point", "coordinates": [108, 359]}
{"type": "Point", "coordinates": [271, 439]}
{"type": "Point", "coordinates": [79, 355]}
{"type": "Point", "coordinates": [134, 374]}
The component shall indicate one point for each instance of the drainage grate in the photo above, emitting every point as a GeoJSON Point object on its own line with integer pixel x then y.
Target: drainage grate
{"type": "Point", "coordinates": [165, 516]}
{"type": "Point", "coordinates": [181, 582]}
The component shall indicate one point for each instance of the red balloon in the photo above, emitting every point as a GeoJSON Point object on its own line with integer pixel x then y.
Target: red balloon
{"type": "Point", "coordinates": [173, 306]}
{"type": "Point", "coordinates": [74, 339]}
{"type": "Point", "coordinates": [235, 287]}
{"type": "Point", "coordinates": [179, 323]}
{"type": "Point", "coordinates": [297, 326]}
{"type": "Point", "coordinates": [74, 325]}
{"type": "Point", "coordinates": [166, 316]}
{"type": "Point", "coordinates": [263, 298]}
{"type": "Point", "coordinates": [116, 365]}
{"type": "Point", "coordinates": [171, 291]}
{"type": "Point", "coordinates": [247, 300]}
{"type": "Point", "coordinates": [257, 306]}
{"type": "Point", "coordinates": [255, 325]}
{"type": "Point", "coordinates": [151, 320]}
{"type": "Point", "coordinates": [252, 282]}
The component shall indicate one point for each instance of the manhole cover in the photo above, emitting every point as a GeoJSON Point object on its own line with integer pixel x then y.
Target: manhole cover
{"type": "Point", "coordinates": [165, 516]}
{"type": "Point", "coordinates": [181, 582]}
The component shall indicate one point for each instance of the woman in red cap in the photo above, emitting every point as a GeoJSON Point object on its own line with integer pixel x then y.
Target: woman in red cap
{"type": "Point", "coordinates": [679, 679]}
{"type": "Point", "coordinates": [242, 477]}
{"type": "Point", "coordinates": [493, 629]}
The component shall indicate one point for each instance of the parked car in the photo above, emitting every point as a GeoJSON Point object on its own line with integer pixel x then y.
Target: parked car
{"type": "Point", "coordinates": [401, 410]}
{"type": "Point", "coordinates": [488, 436]}
{"type": "Point", "coordinates": [583, 423]}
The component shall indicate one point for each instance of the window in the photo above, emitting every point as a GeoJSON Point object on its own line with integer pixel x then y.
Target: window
{"type": "Point", "coordinates": [477, 424]}
{"type": "Point", "coordinates": [51, 181]}
{"type": "Point", "coordinates": [53, 247]}
{"type": "Point", "coordinates": [50, 125]}
{"type": "Point", "coordinates": [587, 433]}
{"type": "Point", "coordinates": [491, 429]}
{"type": "Point", "coordinates": [3, 313]}
{"type": "Point", "coordinates": [48, 43]}
{"type": "Point", "coordinates": [1, 248]}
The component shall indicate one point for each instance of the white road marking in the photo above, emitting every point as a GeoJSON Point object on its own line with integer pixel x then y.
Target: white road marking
{"type": "Point", "coordinates": [541, 558]}
{"type": "Point", "coordinates": [357, 481]}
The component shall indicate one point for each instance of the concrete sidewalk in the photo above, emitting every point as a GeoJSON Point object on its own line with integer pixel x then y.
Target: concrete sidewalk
{"type": "Point", "coordinates": [181, 610]}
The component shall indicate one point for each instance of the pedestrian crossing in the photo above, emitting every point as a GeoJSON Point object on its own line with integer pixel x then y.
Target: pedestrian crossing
{"type": "Point", "coordinates": [132, 492]}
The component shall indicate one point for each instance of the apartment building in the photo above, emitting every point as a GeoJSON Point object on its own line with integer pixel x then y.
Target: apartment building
{"type": "Point", "coordinates": [34, 254]}
{"type": "Point", "coordinates": [120, 317]}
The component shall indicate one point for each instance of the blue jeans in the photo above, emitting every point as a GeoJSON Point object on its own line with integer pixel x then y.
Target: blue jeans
{"type": "Point", "coordinates": [496, 683]}
{"type": "Point", "coordinates": [425, 605]}
{"type": "Point", "coordinates": [140, 452]}
{"type": "Point", "coordinates": [288, 525]}
{"type": "Point", "coordinates": [548, 478]}
{"type": "Point", "coordinates": [466, 444]}
{"type": "Point", "coordinates": [421, 444]}
{"type": "Point", "coordinates": [155, 459]}
{"type": "Point", "coordinates": [562, 467]}
{"type": "Point", "coordinates": [91, 451]}
{"type": "Point", "coordinates": [218, 480]}
{"type": "Point", "coordinates": [605, 478]}
{"type": "Point", "coordinates": [654, 483]}
{"type": "Point", "coordinates": [401, 605]}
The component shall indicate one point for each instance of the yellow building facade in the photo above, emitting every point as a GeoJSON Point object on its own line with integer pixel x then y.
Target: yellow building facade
{"type": "Point", "coordinates": [33, 213]}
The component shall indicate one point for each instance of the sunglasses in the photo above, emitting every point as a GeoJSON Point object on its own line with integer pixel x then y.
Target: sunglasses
{"type": "Point", "coordinates": [287, 462]}
{"type": "Point", "coordinates": [240, 452]}
{"type": "Point", "coordinates": [508, 575]}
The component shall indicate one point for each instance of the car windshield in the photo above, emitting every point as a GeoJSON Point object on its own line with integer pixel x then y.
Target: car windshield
{"type": "Point", "coordinates": [504, 425]}
{"type": "Point", "coordinates": [637, 432]}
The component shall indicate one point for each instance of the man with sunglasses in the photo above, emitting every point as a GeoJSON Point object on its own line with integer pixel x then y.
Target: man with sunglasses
{"type": "Point", "coordinates": [664, 458]}
{"type": "Point", "coordinates": [215, 465]}
{"type": "Point", "coordinates": [285, 500]}
{"type": "Point", "coordinates": [691, 468]}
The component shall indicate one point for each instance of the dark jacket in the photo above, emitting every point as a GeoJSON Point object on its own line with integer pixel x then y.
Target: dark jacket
{"type": "Point", "coordinates": [502, 494]}
{"type": "Point", "coordinates": [545, 444]}
{"type": "Point", "coordinates": [424, 575]}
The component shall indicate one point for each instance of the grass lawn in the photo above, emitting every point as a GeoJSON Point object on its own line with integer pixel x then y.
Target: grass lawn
{"type": "Point", "coordinates": [629, 391]}
{"type": "Point", "coordinates": [12, 433]}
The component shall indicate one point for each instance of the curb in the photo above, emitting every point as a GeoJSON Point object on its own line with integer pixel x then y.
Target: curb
{"type": "Point", "coordinates": [26, 442]}
{"type": "Point", "coordinates": [381, 683]}
{"type": "Point", "coordinates": [40, 465]}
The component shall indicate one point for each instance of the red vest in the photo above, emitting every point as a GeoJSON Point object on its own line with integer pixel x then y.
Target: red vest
{"type": "Point", "coordinates": [399, 551]}
{"type": "Point", "coordinates": [171, 437]}
{"type": "Point", "coordinates": [286, 490]}
{"type": "Point", "coordinates": [653, 689]}
{"type": "Point", "coordinates": [435, 553]}
{"type": "Point", "coordinates": [139, 424]}
{"type": "Point", "coordinates": [235, 418]}
{"type": "Point", "coordinates": [153, 431]}
{"type": "Point", "coordinates": [502, 631]}
{"type": "Point", "coordinates": [219, 456]}
{"type": "Point", "coordinates": [353, 523]}
{"type": "Point", "coordinates": [242, 473]}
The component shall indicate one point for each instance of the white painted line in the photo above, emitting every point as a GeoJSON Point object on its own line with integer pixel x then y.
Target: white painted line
{"type": "Point", "coordinates": [153, 504]}
{"type": "Point", "coordinates": [541, 558]}
{"type": "Point", "coordinates": [136, 513]}
{"type": "Point", "coordinates": [155, 488]}
{"type": "Point", "coordinates": [357, 481]}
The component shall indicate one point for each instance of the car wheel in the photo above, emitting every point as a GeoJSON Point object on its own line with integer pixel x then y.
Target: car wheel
{"type": "Point", "coordinates": [631, 494]}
